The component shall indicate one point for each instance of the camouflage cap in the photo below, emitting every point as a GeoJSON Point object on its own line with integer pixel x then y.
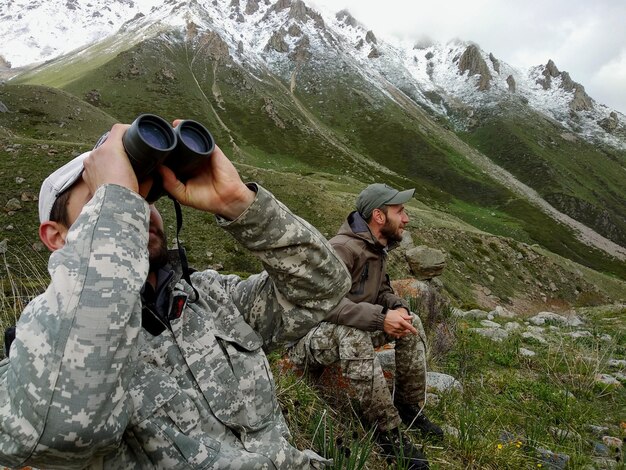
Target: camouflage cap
{"type": "Point", "coordinates": [378, 195]}
{"type": "Point", "coordinates": [58, 182]}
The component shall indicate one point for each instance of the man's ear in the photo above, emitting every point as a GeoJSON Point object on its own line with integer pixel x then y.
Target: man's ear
{"type": "Point", "coordinates": [53, 234]}
{"type": "Point", "coordinates": [378, 216]}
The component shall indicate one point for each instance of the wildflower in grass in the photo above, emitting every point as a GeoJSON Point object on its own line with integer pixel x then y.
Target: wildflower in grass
{"type": "Point", "coordinates": [499, 446]}
{"type": "Point", "coordinates": [518, 444]}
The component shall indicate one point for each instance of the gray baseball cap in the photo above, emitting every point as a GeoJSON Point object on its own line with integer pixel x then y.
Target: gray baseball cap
{"type": "Point", "coordinates": [58, 182]}
{"type": "Point", "coordinates": [378, 195]}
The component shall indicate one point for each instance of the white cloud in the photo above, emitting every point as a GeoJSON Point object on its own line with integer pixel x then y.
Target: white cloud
{"type": "Point", "coordinates": [610, 82]}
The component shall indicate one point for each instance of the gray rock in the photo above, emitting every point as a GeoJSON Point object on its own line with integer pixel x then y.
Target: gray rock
{"type": "Point", "coordinates": [543, 317]}
{"type": "Point", "coordinates": [559, 433]}
{"type": "Point", "coordinates": [601, 450]}
{"type": "Point", "coordinates": [503, 312]}
{"type": "Point", "coordinates": [476, 314]}
{"type": "Point", "coordinates": [457, 312]}
{"type": "Point", "coordinates": [552, 460]}
{"type": "Point", "coordinates": [604, 463]}
{"type": "Point", "coordinates": [450, 431]}
{"type": "Point", "coordinates": [490, 324]}
{"type": "Point", "coordinates": [12, 204]}
{"type": "Point", "coordinates": [607, 379]}
{"type": "Point", "coordinates": [438, 382]}
{"type": "Point", "coordinates": [598, 430]}
{"type": "Point", "coordinates": [495, 334]}
{"type": "Point", "coordinates": [425, 262]}
{"type": "Point", "coordinates": [527, 352]}
{"type": "Point", "coordinates": [533, 338]}
{"type": "Point", "coordinates": [617, 363]}
{"type": "Point", "coordinates": [512, 326]}
{"type": "Point", "coordinates": [579, 334]}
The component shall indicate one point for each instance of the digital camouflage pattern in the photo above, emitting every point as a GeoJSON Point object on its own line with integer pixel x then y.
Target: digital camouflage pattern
{"type": "Point", "coordinates": [86, 386]}
{"type": "Point", "coordinates": [353, 349]}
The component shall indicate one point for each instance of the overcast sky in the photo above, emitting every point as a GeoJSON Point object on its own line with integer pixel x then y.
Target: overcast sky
{"type": "Point", "coordinates": [586, 38]}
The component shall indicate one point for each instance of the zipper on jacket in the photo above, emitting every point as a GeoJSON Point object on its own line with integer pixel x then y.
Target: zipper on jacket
{"type": "Point", "coordinates": [363, 279]}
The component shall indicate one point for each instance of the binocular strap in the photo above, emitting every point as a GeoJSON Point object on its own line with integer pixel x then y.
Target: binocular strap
{"type": "Point", "coordinates": [181, 251]}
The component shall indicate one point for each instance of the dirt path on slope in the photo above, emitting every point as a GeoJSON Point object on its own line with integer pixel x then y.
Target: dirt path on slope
{"type": "Point", "coordinates": [585, 234]}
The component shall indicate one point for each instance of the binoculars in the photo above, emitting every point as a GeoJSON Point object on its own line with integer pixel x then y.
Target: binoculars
{"type": "Point", "coordinates": [151, 140]}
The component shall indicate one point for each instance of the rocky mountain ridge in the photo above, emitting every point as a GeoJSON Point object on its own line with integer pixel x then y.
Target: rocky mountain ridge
{"type": "Point", "coordinates": [456, 80]}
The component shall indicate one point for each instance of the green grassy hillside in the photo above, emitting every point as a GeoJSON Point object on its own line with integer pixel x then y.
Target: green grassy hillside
{"type": "Point", "coordinates": [316, 146]}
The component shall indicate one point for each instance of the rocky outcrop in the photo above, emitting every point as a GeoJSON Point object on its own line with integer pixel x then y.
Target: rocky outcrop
{"type": "Point", "coordinates": [251, 7]}
{"type": "Point", "coordinates": [277, 42]}
{"type": "Point", "coordinates": [4, 64]}
{"type": "Point", "coordinates": [269, 109]}
{"type": "Point", "coordinates": [374, 53]}
{"type": "Point", "coordinates": [471, 60]}
{"type": "Point", "coordinates": [302, 51]}
{"type": "Point", "coordinates": [369, 37]}
{"type": "Point", "coordinates": [510, 81]}
{"type": "Point", "coordinates": [495, 62]}
{"type": "Point", "coordinates": [549, 71]}
{"type": "Point", "coordinates": [93, 97]}
{"type": "Point", "coordinates": [580, 101]}
{"type": "Point", "coordinates": [294, 31]}
{"type": "Point", "coordinates": [345, 17]}
{"type": "Point", "coordinates": [298, 11]}
{"type": "Point", "coordinates": [609, 123]}
{"type": "Point", "coordinates": [215, 47]}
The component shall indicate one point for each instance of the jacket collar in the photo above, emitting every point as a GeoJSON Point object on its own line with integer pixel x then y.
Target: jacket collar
{"type": "Point", "coordinates": [356, 227]}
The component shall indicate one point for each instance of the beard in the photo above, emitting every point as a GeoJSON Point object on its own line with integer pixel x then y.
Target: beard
{"type": "Point", "coordinates": [157, 252]}
{"type": "Point", "coordinates": [391, 232]}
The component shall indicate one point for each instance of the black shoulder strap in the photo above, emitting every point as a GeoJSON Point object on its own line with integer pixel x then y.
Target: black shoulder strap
{"type": "Point", "coordinates": [181, 251]}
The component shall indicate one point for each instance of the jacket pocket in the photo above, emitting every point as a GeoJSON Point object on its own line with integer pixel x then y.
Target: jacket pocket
{"type": "Point", "coordinates": [360, 288]}
{"type": "Point", "coordinates": [165, 425]}
{"type": "Point", "coordinates": [254, 403]}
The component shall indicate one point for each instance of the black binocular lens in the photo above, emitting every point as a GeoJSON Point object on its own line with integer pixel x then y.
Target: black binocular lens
{"type": "Point", "coordinates": [154, 135]}
{"type": "Point", "coordinates": [193, 139]}
{"type": "Point", "coordinates": [150, 140]}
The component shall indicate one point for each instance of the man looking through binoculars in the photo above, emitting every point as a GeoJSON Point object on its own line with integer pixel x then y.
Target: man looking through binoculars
{"type": "Point", "coordinates": [119, 365]}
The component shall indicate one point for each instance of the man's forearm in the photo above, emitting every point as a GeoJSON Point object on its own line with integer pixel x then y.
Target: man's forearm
{"type": "Point", "coordinates": [307, 279]}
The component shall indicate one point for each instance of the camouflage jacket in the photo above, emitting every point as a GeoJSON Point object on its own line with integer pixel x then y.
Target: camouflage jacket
{"type": "Point", "coordinates": [371, 294]}
{"type": "Point", "coordinates": [86, 386]}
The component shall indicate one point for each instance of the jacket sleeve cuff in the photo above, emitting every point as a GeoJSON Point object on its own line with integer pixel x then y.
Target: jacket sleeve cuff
{"type": "Point", "coordinates": [379, 319]}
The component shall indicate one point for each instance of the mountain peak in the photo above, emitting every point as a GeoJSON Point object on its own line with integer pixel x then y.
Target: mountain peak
{"type": "Point", "coordinates": [472, 61]}
{"type": "Point", "coordinates": [550, 75]}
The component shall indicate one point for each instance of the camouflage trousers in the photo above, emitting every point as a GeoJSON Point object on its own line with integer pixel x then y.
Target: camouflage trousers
{"type": "Point", "coordinates": [353, 349]}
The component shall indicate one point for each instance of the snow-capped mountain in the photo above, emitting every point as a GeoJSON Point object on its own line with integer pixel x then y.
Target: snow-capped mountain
{"type": "Point", "coordinates": [456, 79]}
